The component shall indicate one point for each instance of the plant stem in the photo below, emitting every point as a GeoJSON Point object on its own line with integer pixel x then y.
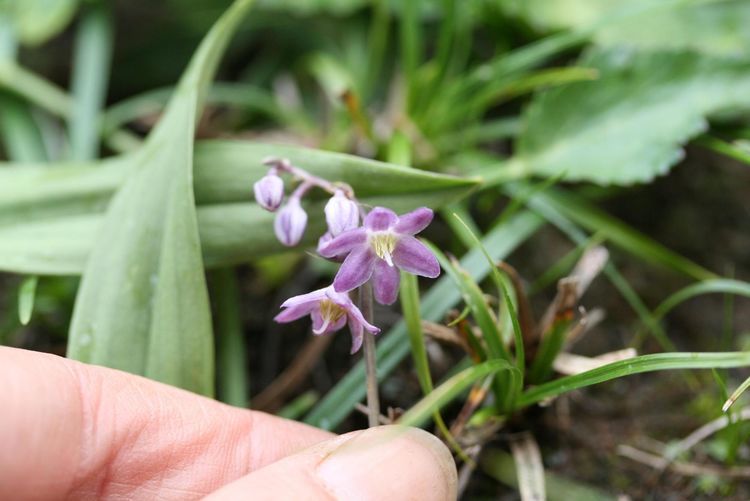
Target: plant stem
{"type": "Point", "coordinates": [373, 400]}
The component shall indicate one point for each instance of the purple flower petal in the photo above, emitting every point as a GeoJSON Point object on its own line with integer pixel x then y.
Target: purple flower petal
{"type": "Point", "coordinates": [385, 280]}
{"type": "Point", "coordinates": [380, 219]}
{"type": "Point", "coordinates": [317, 321]}
{"type": "Point", "coordinates": [310, 297]}
{"type": "Point", "coordinates": [269, 191]}
{"type": "Point", "coordinates": [343, 243]}
{"type": "Point", "coordinates": [292, 313]}
{"type": "Point", "coordinates": [355, 270]}
{"type": "Point", "coordinates": [356, 316]}
{"type": "Point", "coordinates": [412, 256]}
{"type": "Point", "coordinates": [415, 221]}
{"type": "Point", "coordinates": [357, 335]}
{"type": "Point", "coordinates": [342, 214]}
{"type": "Point", "coordinates": [290, 223]}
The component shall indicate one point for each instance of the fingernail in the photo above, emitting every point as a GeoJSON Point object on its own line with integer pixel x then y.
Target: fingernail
{"type": "Point", "coordinates": [390, 463]}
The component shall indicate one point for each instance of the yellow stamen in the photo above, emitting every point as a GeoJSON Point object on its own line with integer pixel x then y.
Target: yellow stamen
{"type": "Point", "coordinates": [331, 313]}
{"type": "Point", "coordinates": [383, 243]}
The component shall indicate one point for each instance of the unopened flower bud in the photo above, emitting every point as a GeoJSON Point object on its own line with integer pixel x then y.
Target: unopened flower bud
{"type": "Point", "coordinates": [290, 223]}
{"type": "Point", "coordinates": [342, 214]}
{"type": "Point", "coordinates": [269, 191]}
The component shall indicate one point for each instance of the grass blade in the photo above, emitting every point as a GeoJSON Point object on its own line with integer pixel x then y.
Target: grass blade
{"type": "Point", "coordinates": [451, 389]}
{"type": "Point", "coordinates": [637, 365]}
{"type": "Point", "coordinates": [735, 395]}
{"type": "Point", "coordinates": [716, 286]}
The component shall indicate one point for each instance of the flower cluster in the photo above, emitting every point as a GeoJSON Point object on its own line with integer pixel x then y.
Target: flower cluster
{"type": "Point", "coordinates": [375, 251]}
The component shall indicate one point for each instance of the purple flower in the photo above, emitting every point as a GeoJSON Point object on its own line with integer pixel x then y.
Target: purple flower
{"type": "Point", "coordinates": [378, 249]}
{"type": "Point", "coordinates": [269, 191]}
{"type": "Point", "coordinates": [329, 311]}
{"type": "Point", "coordinates": [290, 222]}
{"type": "Point", "coordinates": [342, 213]}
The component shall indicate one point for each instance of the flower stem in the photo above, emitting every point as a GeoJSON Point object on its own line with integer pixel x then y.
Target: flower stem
{"type": "Point", "coordinates": [373, 400]}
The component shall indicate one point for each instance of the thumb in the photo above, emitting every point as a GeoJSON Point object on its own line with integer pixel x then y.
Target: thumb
{"type": "Point", "coordinates": [389, 462]}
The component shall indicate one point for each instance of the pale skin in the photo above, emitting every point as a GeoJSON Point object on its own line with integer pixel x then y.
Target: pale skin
{"type": "Point", "coordinates": [75, 431]}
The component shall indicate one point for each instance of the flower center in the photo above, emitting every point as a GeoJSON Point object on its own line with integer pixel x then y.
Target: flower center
{"type": "Point", "coordinates": [330, 312]}
{"type": "Point", "coordinates": [383, 243]}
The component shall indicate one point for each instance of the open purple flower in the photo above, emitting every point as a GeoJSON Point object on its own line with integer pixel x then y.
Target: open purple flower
{"type": "Point", "coordinates": [378, 249]}
{"type": "Point", "coordinates": [329, 311]}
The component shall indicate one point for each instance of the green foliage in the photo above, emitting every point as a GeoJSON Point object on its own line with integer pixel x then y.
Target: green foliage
{"type": "Point", "coordinates": [36, 21]}
{"type": "Point", "coordinates": [710, 26]}
{"type": "Point", "coordinates": [127, 314]}
{"type": "Point", "coordinates": [637, 365]}
{"type": "Point", "coordinates": [63, 205]}
{"type": "Point", "coordinates": [450, 389]}
{"type": "Point", "coordinates": [628, 125]}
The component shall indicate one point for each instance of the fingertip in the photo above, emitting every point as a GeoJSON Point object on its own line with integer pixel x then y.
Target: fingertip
{"type": "Point", "coordinates": [390, 462]}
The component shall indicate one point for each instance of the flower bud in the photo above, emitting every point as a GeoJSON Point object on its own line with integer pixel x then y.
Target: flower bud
{"type": "Point", "coordinates": [269, 191]}
{"type": "Point", "coordinates": [290, 223]}
{"type": "Point", "coordinates": [342, 214]}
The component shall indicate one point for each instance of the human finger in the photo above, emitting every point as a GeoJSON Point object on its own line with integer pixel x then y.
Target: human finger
{"type": "Point", "coordinates": [73, 430]}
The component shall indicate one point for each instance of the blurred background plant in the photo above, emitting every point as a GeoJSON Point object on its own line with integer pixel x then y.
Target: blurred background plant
{"type": "Point", "coordinates": [571, 138]}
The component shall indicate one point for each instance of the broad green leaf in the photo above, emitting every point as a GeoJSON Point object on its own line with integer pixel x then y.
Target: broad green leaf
{"type": "Point", "coordinates": [630, 124]}
{"type": "Point", "coordinates": [637, 365]}
{"type": "Point", "coordinates": [142, 305]}
{"type": "Point", "coordinates": [451, 389]}
{"type": "Point", "coordinates": [26, 296]}
{"type": "Point", "coordinates": [393, 347]}
{"type": "Point", "coordinates": [49, 216]}
{"type": "Point", "coordinates": [713, 26]}
{"type": "Point", "coordinates": [36, 21]}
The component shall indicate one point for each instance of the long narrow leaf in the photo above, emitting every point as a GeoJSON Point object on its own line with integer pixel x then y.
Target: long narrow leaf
{"type": "Point", "coordinates": [451, 389]}
{"type": "Point", "coordinates": [645, 363]}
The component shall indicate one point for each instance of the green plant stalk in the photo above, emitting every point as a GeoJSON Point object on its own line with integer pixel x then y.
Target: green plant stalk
{"type": "Point", "coordinates": [370, 354]}
{"type": "Point", "coordinates": [637, 365]}
{"type": "Point", "coordinates": [231, 350]}
{"type": "Point", "coordinates": [91, 67]}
